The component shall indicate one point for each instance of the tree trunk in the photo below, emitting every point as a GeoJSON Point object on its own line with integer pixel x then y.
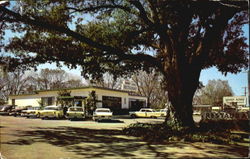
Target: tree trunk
{"type": "Point", "coordinates": [181, 112]}
{"type": "Point", "coordinates": [181, 83]}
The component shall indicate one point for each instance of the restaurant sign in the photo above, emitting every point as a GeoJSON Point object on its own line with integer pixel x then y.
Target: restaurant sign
{"type": "Point", "coordinates": [225, 116]}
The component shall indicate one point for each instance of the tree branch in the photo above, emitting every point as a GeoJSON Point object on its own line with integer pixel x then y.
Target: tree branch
{"type": "Point", "coordinates": [142, 12]}
{"type": "Point", "coordinates": [211, 36]}
{"type": "Point", "coordinates": [94, 8]}
{"type": "Point", "coordinates": [111, 50]}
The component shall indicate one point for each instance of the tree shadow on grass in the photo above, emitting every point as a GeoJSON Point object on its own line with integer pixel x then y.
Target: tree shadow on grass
{"type": "Point", "coordinates": [97, 143]}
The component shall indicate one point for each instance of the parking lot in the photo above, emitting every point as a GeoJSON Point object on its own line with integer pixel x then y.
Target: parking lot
{"type": "Point", "coordinates": [62, 139]}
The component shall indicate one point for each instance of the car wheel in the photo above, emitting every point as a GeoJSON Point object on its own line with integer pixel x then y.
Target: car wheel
{"type": "Point", "coordinates": [133, 116]}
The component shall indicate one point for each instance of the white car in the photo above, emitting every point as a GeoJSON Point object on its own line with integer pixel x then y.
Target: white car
{"type": "Point", "coordinates": [102, 114]}
{"type": "Point", "coordinates": [147, 113]}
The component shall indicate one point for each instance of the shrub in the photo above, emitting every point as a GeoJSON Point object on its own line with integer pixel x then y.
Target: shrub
{"type": "Point", "coordinates": [224, 125]}
{"type": "Point", "coordinates": [207, 132]}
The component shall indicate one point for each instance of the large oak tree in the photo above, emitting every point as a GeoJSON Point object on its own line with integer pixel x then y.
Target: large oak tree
{"type": "Point", "coordinates": [178, 38]}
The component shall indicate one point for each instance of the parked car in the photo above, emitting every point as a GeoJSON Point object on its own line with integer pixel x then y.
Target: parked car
{"type": "Point", "coordinates": [102, 113]}
{"type": "Point", "coordinates": [196, 112]}
{"type": "Point", "coordinates": [147, 113]}
{"type": "Point", "coordinates": [75, 113]}
{"type": "Point", "coordinates": [163, 112]}
{"type": "Point", "coordinates": [51, 112]}
{"type": "Point", "coordinates": [31, 112]}
{"type": "Point", "coordinates": [6, 109]}
{"type": "Point", "coordinates": [18, 110]}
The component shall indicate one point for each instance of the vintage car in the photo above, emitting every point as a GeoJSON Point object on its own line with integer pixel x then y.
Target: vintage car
{"type": "Point", "coordinates": [51, 112]}
{"type": "Point", "coordinates": [196, 112]}
{"type": "Point", "coordinates": [147, 113]}
{"type": "Point", "coordinates": [75, 113]}
{"type": "Point", "coordinates": [163, 112]}
{"type": "Point", "coordinates": [18, 110]}
{"type": "Point", "coordinates": [31, 112]}
{"type": "Point", "coordinates": [102, 114]}
{"type": "Point", "coordinates": [6, 109]}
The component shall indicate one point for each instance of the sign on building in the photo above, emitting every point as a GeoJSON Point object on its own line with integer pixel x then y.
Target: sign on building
{"type": "Point", "coordinates": [235, 101]}
{"type": "Point", "coordinates": [129, 86]}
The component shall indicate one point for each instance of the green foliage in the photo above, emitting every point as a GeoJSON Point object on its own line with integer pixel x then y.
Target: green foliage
{"type": "Point", "coordinates": [91, 102]}
{"type": "Point", "coordinates": [123, 27]}
{"type": "Point", "coordinates": [64, 98]}
{"type": "Point", "coordinates": [183, 37]}
{"type": "Point", "coordinates": [2, 101]}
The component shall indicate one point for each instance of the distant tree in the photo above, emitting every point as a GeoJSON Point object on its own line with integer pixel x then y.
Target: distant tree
{"type": "Point", "coordinates": [13, 83]}
{"type": "Point", "coordinates": [182, 36]}
{"type": "Point", "coordinates": [214, 92]}
{"type": "Point", "coordinates": [149, 85]}
{"type": "Point", "coordinates": [51, 78]}
{"type": "Point", "coordinates": [106, 81]}
{"type": "Point", "coordinates": [74, 83]}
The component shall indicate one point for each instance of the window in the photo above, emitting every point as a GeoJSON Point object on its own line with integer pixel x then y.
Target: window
{"type": "Point", "coordinates": [47, 101]}
{"type": "Point", "coordinates": [114, 103]}
{"type": "Point", "coordinates": [13, 101]}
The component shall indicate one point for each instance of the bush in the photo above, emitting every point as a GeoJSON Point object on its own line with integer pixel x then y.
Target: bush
{"type": "Point", "coordinates": [207, 132]}
{"type": "Point", "coordinates": [225, 125]}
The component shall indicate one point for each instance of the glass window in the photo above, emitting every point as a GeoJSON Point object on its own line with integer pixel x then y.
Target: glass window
{"type": "Point", "coordinates": [114, 103]}
{"type": "Point", "coordinates": [103, 110]}
{"type": "Point", "coordinates": [51, 108]}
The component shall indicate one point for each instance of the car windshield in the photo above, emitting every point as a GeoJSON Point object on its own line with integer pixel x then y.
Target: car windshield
{"type": "Point", "coordinates": [147, 110]}
{"type": "Point", "coordinates": [33, 108]}
{"type": "Point", "coordinates": [51, 108]}
{"type": "Point", "coordinates": [102, 110]}
{"type": "Point", "coordinates": [76, 109]}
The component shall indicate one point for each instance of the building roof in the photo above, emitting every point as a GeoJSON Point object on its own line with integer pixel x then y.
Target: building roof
{"type": "Point", "coordinates": [86, 87]}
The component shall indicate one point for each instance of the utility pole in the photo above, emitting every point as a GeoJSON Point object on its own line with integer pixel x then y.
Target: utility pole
{"type": "Point", "coordinates": [248, 77]}
{"type": "Point", "coordinates": [245, 91]}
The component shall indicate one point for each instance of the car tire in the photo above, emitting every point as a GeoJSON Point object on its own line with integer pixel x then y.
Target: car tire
{"type": "Point", "coordinates": [133, 116]}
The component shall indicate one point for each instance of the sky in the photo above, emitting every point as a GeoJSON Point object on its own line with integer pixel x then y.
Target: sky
{"type": "Point", "coordinates": [236, 81]}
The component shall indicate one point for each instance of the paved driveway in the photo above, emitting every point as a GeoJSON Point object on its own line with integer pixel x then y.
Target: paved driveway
{"type": "Point", "coordinates": [23, 138]}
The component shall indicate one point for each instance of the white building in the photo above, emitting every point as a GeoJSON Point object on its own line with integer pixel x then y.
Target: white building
{"type": "Point", "coordinates": [118, 101]}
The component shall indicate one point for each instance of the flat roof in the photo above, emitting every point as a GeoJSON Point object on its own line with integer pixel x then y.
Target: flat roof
{"type": "Point", "coordinates": [86, 87]}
